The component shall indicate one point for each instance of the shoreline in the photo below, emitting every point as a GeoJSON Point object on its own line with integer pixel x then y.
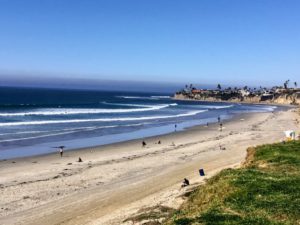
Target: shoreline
{"type": "Point", "coordinates": [134, 140]}
{"type": "Point", "coordinates": [117, 180]}
{"type": "Point", "coordinates": [75, 144]}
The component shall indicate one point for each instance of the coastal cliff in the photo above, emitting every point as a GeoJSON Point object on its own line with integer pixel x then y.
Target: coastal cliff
{"type": "Point", "coordinates": [285, 98]}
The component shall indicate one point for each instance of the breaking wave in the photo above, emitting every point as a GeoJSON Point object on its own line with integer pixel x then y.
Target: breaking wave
{"type": "Point", "coordinates": [70, 111]}
{"type": "Point", "coordinates": [43, 122]}
{"type": "Point", "coordinates": [217, 106]}
{"type": "Point", "coordinates": [153, 97]}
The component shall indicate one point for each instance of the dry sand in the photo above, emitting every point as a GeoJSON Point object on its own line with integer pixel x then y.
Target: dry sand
{"type": "Point", "coordinates": [113, 182]}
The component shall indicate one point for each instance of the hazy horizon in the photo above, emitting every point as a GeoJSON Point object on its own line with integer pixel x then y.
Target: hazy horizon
{"type": "Point", "coordinates": [113, 85]}
{"type": "Point", "coordinates": [91, 84]}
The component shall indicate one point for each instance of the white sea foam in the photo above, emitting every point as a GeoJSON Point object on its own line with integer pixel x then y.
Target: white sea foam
{"type": "Point", "coordinates": [160, 96]}
{"type": "Point", "coordinates": [72, 111]}
{"type": "Point", "coordinates": [140, 105]}
{"type": "Point", "coordinates": [261, 108]}
{"type": "Point", "coordinates": [268, 108]}
{"type": "Point", "coordinates": [145, 97]}
{"type": "Point", "coordinates": [217, 106]}
{"type": "Point", "coordinates": [43, 122]}
{"type": "Point", "coordinates": [134, 97]}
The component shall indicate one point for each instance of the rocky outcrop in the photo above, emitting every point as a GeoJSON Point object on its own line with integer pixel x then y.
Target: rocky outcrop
{"type": "Point", "coordinates": [284, 99]}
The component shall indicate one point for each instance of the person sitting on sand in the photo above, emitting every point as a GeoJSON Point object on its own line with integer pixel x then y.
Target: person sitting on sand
{"type": "Point", "coordinates": [144, 144]}
{"type": "Point", "coordinates": [185, 182]}
{"type": "Point", "coordinates": [159, 142]}
{"type": "Point", "coordinates": [79, 159]}
{"type": "Point", "coordinates": [222, 148]}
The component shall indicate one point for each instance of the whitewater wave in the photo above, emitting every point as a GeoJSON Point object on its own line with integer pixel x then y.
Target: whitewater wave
{"type": "Point", "coordinates": [153, 97]}
{"type": "Point", "coordinates": [43, 122]}
{"type": "Point", "coordinates": [160, 96]}
{"type": "Point", "coordinates": [259, 108]}
{"type": "Point", "coordinates": [134, 97]}
{"type": "Point", "coordinates": [217, 106]}
{"type": "Point", "coordinates": [74, 129]}
{"type": "Point", "coordinates": [70, 111]}
{"type": "Point", "coordinates": [139, 105]}
{"type": "Point", "coordinates": [267, 108]}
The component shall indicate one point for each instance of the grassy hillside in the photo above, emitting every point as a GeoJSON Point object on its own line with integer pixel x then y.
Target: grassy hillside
{"type": "Point", "coordinates": [266, 190]}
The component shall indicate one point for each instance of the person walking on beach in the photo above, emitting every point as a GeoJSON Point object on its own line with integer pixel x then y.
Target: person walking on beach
{"type": "Point", "coordinates": [61, 151]}
{"type": "Point", "coordinates": [221, 126]}
{"type": "Point", "coordinates": [175, 127]}
{"type": "Point", "coordinates": [219, 119]}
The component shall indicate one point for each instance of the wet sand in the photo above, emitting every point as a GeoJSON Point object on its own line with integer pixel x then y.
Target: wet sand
{"type": "Point", "coordinates": [115, 181]}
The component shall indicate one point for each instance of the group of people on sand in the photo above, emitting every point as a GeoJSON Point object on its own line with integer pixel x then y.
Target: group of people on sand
{"type": "Point", "coordinates": [220, 124]}
{"type": "Point", "coordinates": [144, 144]}
{"type": "Point", "coordinates": [61, 153]}
{"type": "Point", "coordinates": [185, 181]}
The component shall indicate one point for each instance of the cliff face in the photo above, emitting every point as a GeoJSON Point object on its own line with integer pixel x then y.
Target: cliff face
{"type": "Point", "coordinates": [285, 99]}
{"type": "Point", "coordinates": [288, 99]}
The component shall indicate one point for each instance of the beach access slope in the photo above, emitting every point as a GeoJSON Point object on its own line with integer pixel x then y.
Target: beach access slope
{"type": "Point", "coordinates": [116, 181]}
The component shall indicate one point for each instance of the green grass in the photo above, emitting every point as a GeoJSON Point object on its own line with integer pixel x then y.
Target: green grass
{"type": "Point", "coordinates": [151, 214]}
{"type": "Point", "coordinates": [265, 191]}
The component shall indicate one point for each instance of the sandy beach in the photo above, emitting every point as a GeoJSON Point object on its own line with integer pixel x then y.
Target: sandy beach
{"type": "Point", "coordinates": [116, 181]}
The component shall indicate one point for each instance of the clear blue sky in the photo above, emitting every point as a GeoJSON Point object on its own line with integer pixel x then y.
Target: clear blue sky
{"type": "Point", "coordinates": [200, 41]}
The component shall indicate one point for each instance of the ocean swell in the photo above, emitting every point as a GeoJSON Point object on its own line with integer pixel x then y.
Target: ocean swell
{"type": "Point", "coordinates": [43, 122]}
{"type": "Point", "coordinates": [66, 131]}
{"type": "Point", "coordinates": [70, 111]}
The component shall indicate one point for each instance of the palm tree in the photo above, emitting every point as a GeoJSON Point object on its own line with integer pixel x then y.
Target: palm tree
{"type": "Point", "coordinates": [295, 83]}
{"type": "Point", "coordinates": [219, 86]}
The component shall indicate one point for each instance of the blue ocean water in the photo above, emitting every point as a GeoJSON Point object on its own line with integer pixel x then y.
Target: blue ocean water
{"type": "Point", "coordinates": [33, 121]}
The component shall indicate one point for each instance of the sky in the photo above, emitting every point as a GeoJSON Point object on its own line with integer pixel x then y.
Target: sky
{"type": "Point", "coordinates": [234, 42]}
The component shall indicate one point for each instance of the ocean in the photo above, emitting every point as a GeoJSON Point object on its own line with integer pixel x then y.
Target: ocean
{"type": "Point", "coordinates": [34, 121]}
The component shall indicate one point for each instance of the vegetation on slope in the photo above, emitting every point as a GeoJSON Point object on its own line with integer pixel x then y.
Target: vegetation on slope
{"type": "Point", "coordinates": [266, 190]}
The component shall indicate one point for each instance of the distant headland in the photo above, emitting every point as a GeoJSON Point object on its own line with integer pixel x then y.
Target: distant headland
{"type": "Point", "coordinates": [275, 95]}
